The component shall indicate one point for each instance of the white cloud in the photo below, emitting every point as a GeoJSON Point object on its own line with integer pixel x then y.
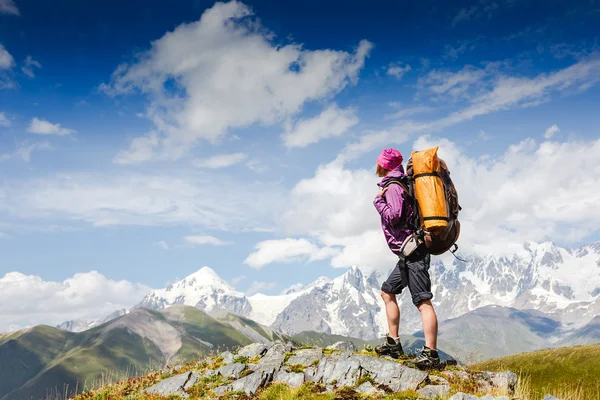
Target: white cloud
{"type": "Point", "coordinates": [397, 70]}
{"type": "Point", "coordinates": [180, 197]}
{"type": "Point", "coordinates": [28, 67]}
{"type": "Point", "coordinates": [25, 150]}
{"type": "Point", "coordinates": [534, 191]}
{"type": "Point", "coordinates": [220, 161]}
{"type": "Point", "coordinates": [257, 287]}
{"type": "Point", "coordinates": [480, 10]}
{"type": "Point", "coordinates": [43, 127]}
{"type": "Point", "coordinates": [331, 122]}
{"type": "Point", "coordinates": [8, 7]}
{"type": "Point", "coordinates": [498, 92]}
{"type": "Point", "coordinates": [551, 131]}
{"type": "Point", "coordinates": [238, 279]}
{"type": "Point", "coordinates": [285, 251]}
{"type": "Point", "coordinates": [162, 244]}
{"type": "Point", "coordinates": [3, 120]}
{"type": "Point", "coordinates": [407, 112]}
{"type": "Point", "coordinates": [256, 165]}
{"type": "Point", "coordinates": [87, 296]}
{"type": "Point", "coordinates": [6, 60]}
{"type": "Point", "coordinates": [206, 240]}
{"type": "Point", "coordinates": [140, 150]}
{"type": "Point", "coordinates": [225, 72]}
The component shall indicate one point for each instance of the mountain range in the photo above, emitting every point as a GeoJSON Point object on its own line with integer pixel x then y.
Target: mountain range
{"type": "Point", "coordinates": [563, 284]}
{"type": "Point", "coordinates": [44, 360]}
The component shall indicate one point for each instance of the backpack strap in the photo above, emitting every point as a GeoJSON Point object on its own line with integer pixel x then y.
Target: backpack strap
{"type": "Point", "coordinates": [406, 183]}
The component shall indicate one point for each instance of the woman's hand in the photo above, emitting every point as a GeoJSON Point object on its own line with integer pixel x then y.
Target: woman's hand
{"type": "Point", "coordinates": [382, 191]}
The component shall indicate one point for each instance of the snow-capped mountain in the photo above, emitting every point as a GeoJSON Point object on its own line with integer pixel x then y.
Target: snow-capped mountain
{"type": "Point", "coordinates": [562, 283]}
{"type": "Point", "coordinates": [203, 289]}
{"type": "Point", "coordinates": [77, 325]}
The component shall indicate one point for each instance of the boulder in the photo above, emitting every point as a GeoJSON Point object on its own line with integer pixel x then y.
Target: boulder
{"type": "Point", "coordinates": [252, 350]}
{"type": "Point", "coordinates": [343, 346]}
{"type": "Point", "coordinates": [305, 357]}
{"type": "Point", "coordinates": [434, 391]}
{"type": "Point", "coordinates": [392, 374]}
{"type": "Point", "coordinates": [227, 357]}
{"type": "Point", "coordinates": [503, 380]}
{"type": "Point", "coordinates": [170, 386]}
{"type": "Point", "coordinates": [463, 396]}
{"type": "Point", "coordinates": [368, 388]}
{"type": "Point", "coordinates": [232, 370]}
{"type": "Point", "coordinates": [340, 371]}
{"type": "Point", "coordinates": [290, 378]}
{"type": "Point", "coordinates": [550, 397]}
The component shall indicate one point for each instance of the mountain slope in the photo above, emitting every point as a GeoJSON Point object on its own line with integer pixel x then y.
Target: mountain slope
{"type": "Point", "coordinates": [495, 331]}
{"type": "Point", "coordinates": [561, 371]}
{"type": "Point", "coordinates": [588, 334]}
{"type": "Point", "coordinates": [134, 342]}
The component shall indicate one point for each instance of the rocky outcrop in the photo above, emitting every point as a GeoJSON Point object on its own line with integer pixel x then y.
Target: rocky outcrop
{"type": "Point", "coordinates": [334, 369]}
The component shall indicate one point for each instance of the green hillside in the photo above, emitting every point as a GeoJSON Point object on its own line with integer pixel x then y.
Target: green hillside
{"type": "Point", "coordinates": [568, 373]}
{"type": "Point", "coordinates": [43, 360]}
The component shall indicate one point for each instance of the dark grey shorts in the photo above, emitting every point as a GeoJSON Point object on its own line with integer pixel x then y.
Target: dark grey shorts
{"type": "Point", "coordinates": [413, 272]}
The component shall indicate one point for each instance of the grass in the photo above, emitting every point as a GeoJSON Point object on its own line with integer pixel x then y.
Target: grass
{"type": "Point", "coordinates": [569, 373]}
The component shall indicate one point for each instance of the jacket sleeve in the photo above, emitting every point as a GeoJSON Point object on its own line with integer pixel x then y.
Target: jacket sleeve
{"type": "Point", "coordinates": [390, 206]}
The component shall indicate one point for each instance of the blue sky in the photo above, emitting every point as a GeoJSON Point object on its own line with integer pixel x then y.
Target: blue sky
{"type": "Point", "coordinates": [148, 139]}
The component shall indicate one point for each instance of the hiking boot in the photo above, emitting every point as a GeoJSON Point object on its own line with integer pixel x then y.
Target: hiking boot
{"type": "Point", "coordinates": [390, 347]}
{"type": "Point", "coordinates": [427, 359]}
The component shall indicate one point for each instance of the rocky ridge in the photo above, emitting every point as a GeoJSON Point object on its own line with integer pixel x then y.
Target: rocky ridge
{"type": "Point", "coordinates": [339, 370]}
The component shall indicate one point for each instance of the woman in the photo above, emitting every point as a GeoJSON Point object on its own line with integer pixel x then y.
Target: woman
{"type": "Point", "coordinates": [396, 210]}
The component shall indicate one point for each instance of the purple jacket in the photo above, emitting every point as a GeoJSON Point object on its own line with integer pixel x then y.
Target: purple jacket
{"type": "Point", "coordinates": [395, 211]}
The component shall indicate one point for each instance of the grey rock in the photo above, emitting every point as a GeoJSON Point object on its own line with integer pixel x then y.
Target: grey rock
{"type": "Point", "coordinates": [329, 388]}
{"type": "Point", "coordinates": [232, 370]}
{"type": "Point", "coordinates": [338, 370]}
{"type": "Point", "coordinates": [276, 349]}
{"type": "Point", "coordinates": [305, 357]}
{"type": "Point", "coordinates": [274, 360]}
{"type": "Point", "coordinates": [310, 374]}
{"type": "Point", "coordinates": [227, 357]}
{"type": "Point", "coordinates": [252, 350]}
{"type": "Point", "coordinates": [433, 391]}
{"type": "Point", "coordinates": [251, 383]}
{"type": "Point", "coordinates": [194, 377]}
{"type": "Point", "coordinates": [502, 398]}
{"type": "Point", "coordinates": [345, 346]}
{"type": "Point", "coordinates": [463, 396]}
{"type": "Point", "coordinates": [368, 388]}
{"type": "Point", "coordinates": [550, 397]}
{"type": "Point", "coordinates": [221, 390]}
{"type": "Point", "coordinates": [488, 397]}
{"type": "Point", "coordinates": [398, 377]}
{"type": "Point", "coordinates": [290, 378]}
{"type": "Point", "coordinates": [503, 380]}
{"type": "Point", "coordinates": [170, 386]}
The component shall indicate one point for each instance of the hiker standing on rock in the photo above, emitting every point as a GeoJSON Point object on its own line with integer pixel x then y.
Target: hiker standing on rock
{"type": "Point", "coordinates": [396, 211]}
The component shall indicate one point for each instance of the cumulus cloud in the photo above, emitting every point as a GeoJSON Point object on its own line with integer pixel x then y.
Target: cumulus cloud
{"type": "Point", "coordinates": [162, 244]}
{"type": "Point", "coordinates": [28, 67]}
{"type": "Point", "coordinates": [24, 151]}
{"type": "Point", "coordinates": [533, 191]}
{"type": "Point", "coordinates": [285, 251]}
{"type": "Point", "coordinates": [181, 197]}
{"type": "Point", "coordinates": [220, 161]}
{"type": "Point", "coordinates": [206, 240]}
{"type": "Point", "coordinates": [43, 127]}
{"type": "Point", "coordinates": [223, 72]}
{"type": "Point", "coordinates": [8, 7]}
{"type": "Point", "coordinates": [6, 60]}
{"type": "Point", "coordinates": [331, 122]}
{"type": "Point", "coordinates": [493, 92]}
{"type": "Point", "coordinates": [30, 300]}
{"type": "Point", "coordinates": [551, 131]}
{"type": "Point", "coordinates": [397, 70]}
{"type": "Point", "coordinates": [4, 122]}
